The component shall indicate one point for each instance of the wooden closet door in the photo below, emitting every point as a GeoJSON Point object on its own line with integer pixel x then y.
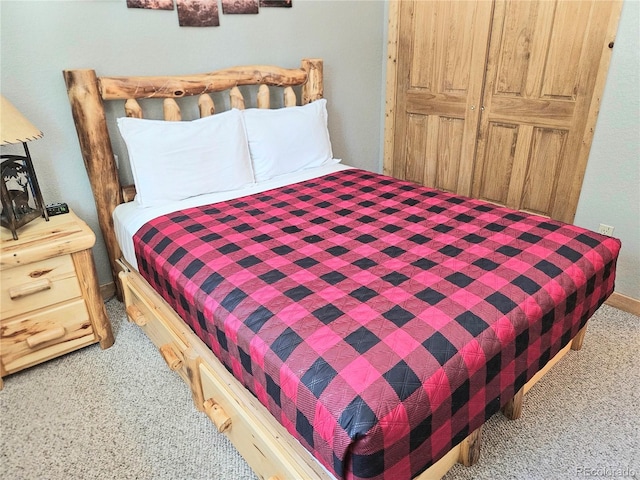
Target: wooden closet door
{"type": "Point", "coordinates": [434, 90]}
{"type": "Point", "coordinates": [545, 72]}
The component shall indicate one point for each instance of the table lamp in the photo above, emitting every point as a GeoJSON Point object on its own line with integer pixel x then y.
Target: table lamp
{"type": "Point", "coordinates": [19, 189]}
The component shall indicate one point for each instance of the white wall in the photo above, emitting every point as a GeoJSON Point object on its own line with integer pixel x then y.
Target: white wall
{"type": "Point", "coordinates": [611, 189]}
{"type": "Point", "coordinates": [41, 38]}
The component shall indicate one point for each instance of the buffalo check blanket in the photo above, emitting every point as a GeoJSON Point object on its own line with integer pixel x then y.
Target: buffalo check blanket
{"type": "Point", "coordinates": [379, 321]}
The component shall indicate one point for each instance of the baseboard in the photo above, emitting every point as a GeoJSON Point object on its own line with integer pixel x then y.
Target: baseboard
{"type": "Point", "coordinates": [616, 300]}
{"type": "Point", "coordinates": [624, 303]}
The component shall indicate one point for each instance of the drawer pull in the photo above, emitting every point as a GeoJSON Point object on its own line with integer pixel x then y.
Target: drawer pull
{"type": "Point", "coordinates": [29, 288]}
{"type": "Point", "coordinates": [218, 416]}
{"type": "Point", "coordinates": [47, 336]}
{"type": "Point", "coordinates": [171, 357]}
{"type": "Point", "coordinates": [136, 315]}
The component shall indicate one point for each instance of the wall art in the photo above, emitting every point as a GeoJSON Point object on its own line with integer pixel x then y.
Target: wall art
{"type": "Point", "coordinates": [151, 4]}
{"type": "Point", "coordinates": [275, 3]}
{"type": "Point", "coordinates": [239, 6]}
{"type": "Point", "coordinates": [198, 13]}
{"type": "Point", "coordinates": [204, 13]}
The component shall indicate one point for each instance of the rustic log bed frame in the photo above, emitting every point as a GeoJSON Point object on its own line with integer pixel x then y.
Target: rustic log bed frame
{"type": "Point", "coordinates": [267, 447]}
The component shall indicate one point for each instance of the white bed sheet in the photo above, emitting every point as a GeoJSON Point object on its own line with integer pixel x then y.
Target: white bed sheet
{"type": "Point", "coordinates": [129, 217]}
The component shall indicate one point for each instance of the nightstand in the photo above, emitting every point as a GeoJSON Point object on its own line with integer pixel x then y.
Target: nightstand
{"type": "Point", "coordinates": [50, 302]}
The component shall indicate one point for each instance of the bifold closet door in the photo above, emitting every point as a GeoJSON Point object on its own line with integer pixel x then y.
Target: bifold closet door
{"type": "Point", "coordinates": [546, 68]}
{"type": "Point", "coordinates": [440, 64]}
{"type": "Point", "coordinates": [497, 99]}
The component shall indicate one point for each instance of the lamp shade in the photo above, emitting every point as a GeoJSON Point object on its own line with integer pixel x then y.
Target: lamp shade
{"type": "Point", "coordinates": [14, 127]}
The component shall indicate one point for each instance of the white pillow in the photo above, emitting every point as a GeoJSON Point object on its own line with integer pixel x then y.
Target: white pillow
{"type": "Point", "coordinates": [288, 139]}
{"type": "Point", "coordinates": [176, 160]}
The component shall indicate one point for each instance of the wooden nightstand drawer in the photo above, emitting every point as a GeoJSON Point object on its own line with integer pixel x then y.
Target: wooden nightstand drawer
{"type": "Point", "coordinates": [37, 285]}
{"type": "Point", "coordinates": [32, 338]}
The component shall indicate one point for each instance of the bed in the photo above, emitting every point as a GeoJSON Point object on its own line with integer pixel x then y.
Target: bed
{"type": "Point", "coordinates": [332, 322]}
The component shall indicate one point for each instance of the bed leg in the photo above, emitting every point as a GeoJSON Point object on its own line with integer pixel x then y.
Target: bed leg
{"type": "Point", "coordinates": [576, 343]}
{"type": "Point", "coordinates": [513, 408]}
{"type": "Point", "coordinates": [470, 448]}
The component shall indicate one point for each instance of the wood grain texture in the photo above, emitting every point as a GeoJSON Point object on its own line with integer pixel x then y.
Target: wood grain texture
{"type": "Point", "coordinates": [171, 110]}
{"type": "Point", "coordinates": [543, 62]}
{"type": "Point", "coordinates": [470, 448]}
{"type": "Point", "coordinates": [264, 97]}
{"type": "Point", "coordinates": [576, 343]}
{"type": "Point", "coordinates": [391, 88]}
{"type": "Point", "coordinates": [513, 408]}
{"type": "Point", "coordinates": [132, 108]}
{"type": "Point", "coordinates": [217, 415]}
{"type": "Point", "coordinates": [128, 193]}
{"type": "Point", "coordinates": [87, 277]}
{"type": "Point", "coordinates": [95, 145]}
{"type": "Point", "coordinates": [236, 99]}
{"type": "Point", "coordinates": [174, 362]}
{"type": "Point", "coordinates": [50, 301]}
{"type": "Point", "coordinates": [54, 332]}
{"type": "Point", "coordinates": [33, 338]}
{"type": "Point", "coordinates": [436, 61]}
{"type": "Point", "coordinates": [290, 99]}
{"type": "Point", "coordinates": [313, 89]}
{"type": "Point", "coordinates": [40, 240]}
{"type": "Point", "coordinates": [572, 183]}
{"type": "Point", "coordinates": [114, 88]}
{"type": "Point", "coordinates": [135, 315]}
{"type": "Point", "coordinates": [23, 289]}
{"type": "Point", "coordinates": [29, 288]}
{"type": "Point", "coordinates": [262, 441]}
{"type": "Point", "coordinates": [523, 78]}
{"type": "Point", "coordinates": [206, 105]}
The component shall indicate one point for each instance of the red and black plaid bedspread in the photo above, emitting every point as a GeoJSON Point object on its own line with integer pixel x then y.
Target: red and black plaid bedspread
{"type": "Point", "coordinates": [379, 321]}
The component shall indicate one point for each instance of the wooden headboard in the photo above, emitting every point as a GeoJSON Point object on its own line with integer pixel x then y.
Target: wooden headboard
{"type": "Point", "coordinates": [88, 92]}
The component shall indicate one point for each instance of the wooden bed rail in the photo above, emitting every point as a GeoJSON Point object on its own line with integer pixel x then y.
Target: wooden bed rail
{"type": "Point", "coordinates": [88, 92]}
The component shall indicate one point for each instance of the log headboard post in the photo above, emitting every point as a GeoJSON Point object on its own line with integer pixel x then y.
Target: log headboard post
{"type": "Point", "coordinates": [91, 125]}
{"type": "Point", "coordinates": [88, 92]}
{"type": "Point", "coordinates": [313, 89]}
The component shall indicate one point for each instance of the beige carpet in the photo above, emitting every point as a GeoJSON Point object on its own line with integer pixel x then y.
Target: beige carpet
{"type": "Point", "coordinates": [121, 414]}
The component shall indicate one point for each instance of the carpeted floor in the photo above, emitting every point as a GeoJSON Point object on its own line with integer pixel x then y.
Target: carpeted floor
{"type": "Point", "coordinates": [121, 414]}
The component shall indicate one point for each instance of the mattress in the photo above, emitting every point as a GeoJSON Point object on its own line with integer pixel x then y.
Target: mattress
{"type": "Point", "coordinates": [379, 321]}
{"type": "Point", "coordinates": [129, 217]}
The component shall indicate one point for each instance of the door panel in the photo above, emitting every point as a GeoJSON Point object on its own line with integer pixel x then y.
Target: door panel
{"type": "Point", "coordinates": [439, 78]}
{"type": "Point", "coordinates": [449, 153]}
{"type": "Point", "coordinates": [542, 64]}
{"type": "Point", "coordinates": [523, 46]}
{"type": "Point", "coordinates": [414, 169]}
{"type": "Point", "coordinates": [495, 175]}
{"type": "Point", "coordinates": [565, 50]}
{"type": "Point", "coordinates": [546, 153]}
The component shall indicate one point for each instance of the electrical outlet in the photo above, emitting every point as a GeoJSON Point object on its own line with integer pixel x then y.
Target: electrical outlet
{"type": "Point", "coordinates": [605, 230]}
